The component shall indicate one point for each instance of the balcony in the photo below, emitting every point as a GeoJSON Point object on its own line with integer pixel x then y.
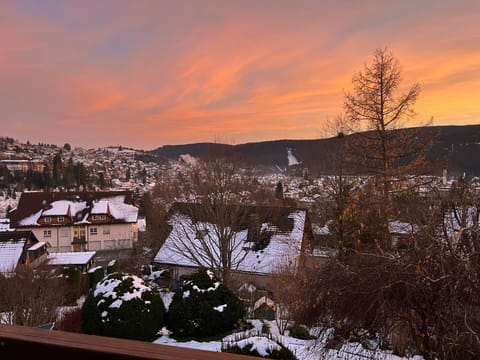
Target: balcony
{"type": "Point", "coordinates": [79, 240]}
{"type": "Point", "coordinates": [19, 342]}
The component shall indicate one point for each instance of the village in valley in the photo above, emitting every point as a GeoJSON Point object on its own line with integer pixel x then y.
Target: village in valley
{"type": "Point", "coordinates": [88, 221]}
{"type": "Point", "coordinates": [292, 180]}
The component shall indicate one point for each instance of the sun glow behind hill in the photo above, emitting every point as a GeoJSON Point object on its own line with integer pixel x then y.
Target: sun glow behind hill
{"type": "Point", "coordinates": [170, 73]}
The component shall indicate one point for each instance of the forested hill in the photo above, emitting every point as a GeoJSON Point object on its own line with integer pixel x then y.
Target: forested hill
{"type": "Point", "coordinates": [456, 148]}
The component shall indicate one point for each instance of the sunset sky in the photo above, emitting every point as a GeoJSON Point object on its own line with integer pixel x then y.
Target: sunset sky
{"type": "Point", "coordinates": [148, 73]}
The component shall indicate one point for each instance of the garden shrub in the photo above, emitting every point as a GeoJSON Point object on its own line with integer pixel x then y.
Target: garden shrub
{"type": "Point", "coordinates": [260, 346]}
{"type": "Point", "coordinates": [123, 306]}
{"type": "Point", "coordinates": [203, 308]}
{"type": "Point", "coordinates": [265, 328]}
{"type": "Point", "coordinates": [73, 279]}
{"type": "Point", "coordinates": [299, 332]}
{"type": "Point", "coordinates": [95, 275]}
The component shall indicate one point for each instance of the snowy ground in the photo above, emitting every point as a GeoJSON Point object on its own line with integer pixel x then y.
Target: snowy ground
{"type": "Point", "coordinates": [292, 160]}
{"type": "Point", "coordinates": [303, 349]}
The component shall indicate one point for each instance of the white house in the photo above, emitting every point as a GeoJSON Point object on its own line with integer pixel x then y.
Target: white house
{"type": "Point", "coordinates": [78, 221]}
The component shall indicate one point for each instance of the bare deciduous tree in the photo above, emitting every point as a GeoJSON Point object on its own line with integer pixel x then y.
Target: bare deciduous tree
{"type": "Point", "coordinates": [292, 277]}
{"type": "Point", "coordinates": [211, 232]}
{"type": "Point", "coordinates": [32, 298]}
{"type": "Point", "coordinates": [418, 296]}
{"type": "Point", "coordinates": [210, 235]}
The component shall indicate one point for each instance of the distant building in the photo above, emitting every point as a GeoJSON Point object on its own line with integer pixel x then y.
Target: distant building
{"type": "Point", "coordinates": [79, 221]}
{"type": "Point", "coordinates": [23, 165]}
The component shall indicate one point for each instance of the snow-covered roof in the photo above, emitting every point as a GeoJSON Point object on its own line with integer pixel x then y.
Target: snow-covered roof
{"type": "Point", "coordinates": [100, 207]}
{"type": "Point", "coordinates": [283, 246]}
{"type": "Point", "coordinates": [399, 227]}
{"type": "Point", "coordinates": [263, 300]}
{"type": "Point", "coordinates": [31, 220]}
{"type": "Point", "coordinates": [38, 245]}
{"type": "Point", "coordinates": [120, 210]}
{"type": "Point", "coordinates": [78, 206]}
{"type": "Point", "coordinates": [71, 258]}
{"type": "Point", "coordinates": [321, 230]}
{"type": "Point", "coordinates": [58, 208]}
{"type": "Point", "coordinates": [10, 252]}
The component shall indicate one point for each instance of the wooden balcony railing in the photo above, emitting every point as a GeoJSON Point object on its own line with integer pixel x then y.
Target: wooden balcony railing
{"type": "Point", "coordinates": [19, 342]}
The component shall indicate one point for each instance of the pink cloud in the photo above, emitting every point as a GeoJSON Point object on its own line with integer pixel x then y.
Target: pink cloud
{"type": "Point", "coordinates": [169, 73]}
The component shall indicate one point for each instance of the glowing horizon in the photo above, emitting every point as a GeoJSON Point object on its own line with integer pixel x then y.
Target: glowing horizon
{"type": "Point", "coordinates": [144, 74]}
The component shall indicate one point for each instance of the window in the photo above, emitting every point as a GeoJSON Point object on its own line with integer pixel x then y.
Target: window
{"type": "Point", "coordinates": [99, 217]}
{"type": "Point", "coordinates": [48, 219]}
{"type": "Point", "coordinates": [106, 230]}
{"type": "Point", "coordinates": [93, 231]}
{"type": "Point", "coordinates": [60, 219]}
{"type": "Point", "coordinates": [47, 233]}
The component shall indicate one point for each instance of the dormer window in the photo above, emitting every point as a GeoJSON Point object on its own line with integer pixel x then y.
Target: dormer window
{"type": "Point", "coordinates": [99, 217]}
{"type": "Point", "coordinates": [60, 219]}
{"type": "Point", "coordinates": [200, 234]}
{"type": "Point", "coordinates": [48, 219]}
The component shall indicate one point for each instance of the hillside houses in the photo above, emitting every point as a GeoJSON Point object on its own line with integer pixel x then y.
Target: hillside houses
{"type": "Point", "coordinates": [78, 221]}
{"type": "Point", "coordinates": [23, 165]}
{"type": "Point", "coordinates": [109, 167]}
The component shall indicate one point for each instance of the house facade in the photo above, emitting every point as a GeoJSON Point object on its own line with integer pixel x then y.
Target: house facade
{"type": "Point", "coordinates": [23, 165]}
{"type": "Point", "coordinates": [79, 221]}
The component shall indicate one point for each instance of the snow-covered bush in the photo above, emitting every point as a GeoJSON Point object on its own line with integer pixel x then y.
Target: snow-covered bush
{"type": "Point", "coordinates": [260, 346]}
{"type": "Point", "coordinates": [203, 307]}
{"type": "Point", "coordinates": [123, 306]}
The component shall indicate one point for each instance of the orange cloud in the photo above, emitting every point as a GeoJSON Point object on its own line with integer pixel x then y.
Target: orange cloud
{"type": "Point", "coordinates": [162, 73]}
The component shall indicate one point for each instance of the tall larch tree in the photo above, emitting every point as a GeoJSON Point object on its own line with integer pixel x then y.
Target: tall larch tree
{"type": "Point", "coordinates": [376, 111]}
